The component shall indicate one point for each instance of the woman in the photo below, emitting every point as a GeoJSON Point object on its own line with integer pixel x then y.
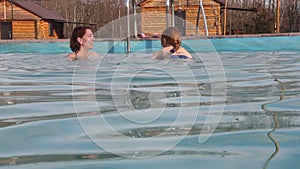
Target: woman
{"type": "Point", "coordinates": [82, 40]}
{"type": "Point", "coordinates": [171, 43]}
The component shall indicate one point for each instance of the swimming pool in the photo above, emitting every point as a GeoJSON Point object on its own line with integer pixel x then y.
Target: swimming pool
{"type": "Point", "coordinates": [122, 111]}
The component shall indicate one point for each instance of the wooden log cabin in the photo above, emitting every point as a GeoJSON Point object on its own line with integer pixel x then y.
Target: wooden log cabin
{"type": "Point", "coordinates": [153, 16]}
{"type": "Point", "coordinates": [23, 19]}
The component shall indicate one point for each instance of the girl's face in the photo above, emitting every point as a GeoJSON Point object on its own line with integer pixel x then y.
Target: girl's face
{"type": "Point", "coordinates": [164, 42]}
{"type": "Point", "coordinates": [87, 41]}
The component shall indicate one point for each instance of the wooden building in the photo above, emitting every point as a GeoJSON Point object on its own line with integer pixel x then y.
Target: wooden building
{"type": "Point", "coordinates": [23, 19]}
{"type": "Point", "coordinates": [154, 18]}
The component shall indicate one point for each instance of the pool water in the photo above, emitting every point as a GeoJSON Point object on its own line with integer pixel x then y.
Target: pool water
{"type": "Point", "coordinates": [120, 111]}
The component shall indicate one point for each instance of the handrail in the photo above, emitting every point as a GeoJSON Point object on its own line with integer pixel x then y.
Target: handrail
{"type": "Point", "coordinates": [204, 18]}
{"type": "Point", "coordinates": [134, 18]}
{"type": "Point", "coordinates": [128, 27]}
{"type": "Point", "coordinates": [172, 13]}
{"type": "Point", "coordinates": [167, 12]}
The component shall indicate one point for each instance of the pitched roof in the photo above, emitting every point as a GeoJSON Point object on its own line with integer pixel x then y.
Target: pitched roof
{"type": "Point", "coordinates": [38, 10]}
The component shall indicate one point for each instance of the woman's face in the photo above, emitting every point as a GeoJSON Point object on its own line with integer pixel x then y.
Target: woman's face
{"type": "Point", "coordinates": [87, 41]}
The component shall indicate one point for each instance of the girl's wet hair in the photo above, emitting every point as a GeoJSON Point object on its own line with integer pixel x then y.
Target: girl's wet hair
{"type": "Point", "coordinates": [171, 36]}
{"type": "Point", "coordinates": [77, 32]}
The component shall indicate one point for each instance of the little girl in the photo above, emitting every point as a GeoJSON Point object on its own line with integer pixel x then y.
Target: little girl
{"type": "Point", "coordinates": [171, 43]}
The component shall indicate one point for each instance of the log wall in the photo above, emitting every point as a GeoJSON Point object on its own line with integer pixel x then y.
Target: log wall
{"type": "Point", "coordinates": [154, 16]}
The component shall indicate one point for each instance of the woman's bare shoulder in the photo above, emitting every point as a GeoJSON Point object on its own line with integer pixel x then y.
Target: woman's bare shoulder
{"type": "Point", "coordinates": [95, 54]}
{"type": "Point", "coordinates": [71, 56]}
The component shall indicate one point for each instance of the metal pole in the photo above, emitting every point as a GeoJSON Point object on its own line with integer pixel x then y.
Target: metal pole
{"type": "Point", "coordinates": [128, 27]}
{"type": "Point", "coordinates": [197, 22]}
{"type": "Point", "coordinates": [134, 17]}
{"type": "Point", "coordinates": [172, 13]}
{"type": "Point", "coordinates": [119, 17]}
{"type": "Point", "coordinates": [204, 18]}
{"type": "Point", "coordinates": [167, 12]}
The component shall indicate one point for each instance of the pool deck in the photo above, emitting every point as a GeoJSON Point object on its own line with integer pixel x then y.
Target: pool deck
{"type": "Point", "coordinates": [142, 39]}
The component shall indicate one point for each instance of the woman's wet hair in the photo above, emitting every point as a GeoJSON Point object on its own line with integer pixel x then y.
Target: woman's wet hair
{"type": "Point", "coordinates": [77, 32]}
{"type": "Point", "coordinates": [171, 36]}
